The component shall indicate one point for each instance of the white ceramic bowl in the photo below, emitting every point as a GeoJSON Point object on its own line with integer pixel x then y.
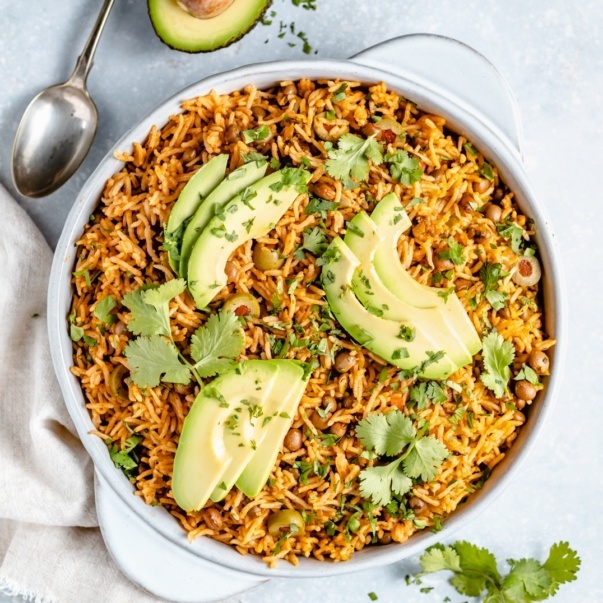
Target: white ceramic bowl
{"type": "Point", "coordinates": [442, 76]}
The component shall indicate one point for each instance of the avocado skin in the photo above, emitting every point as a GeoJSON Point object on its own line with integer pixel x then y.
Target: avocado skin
{"type": "Point", "coordinates": [228, 43]}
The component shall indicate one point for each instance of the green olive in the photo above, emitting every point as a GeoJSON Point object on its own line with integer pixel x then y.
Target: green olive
{"type": "Point", "coordinates": [528, 271]}
{"type": "Point", "coordinates": [281, 522]}
{"type": "Point", "coordinates": [390, 124]}
{"type": "Point", "coordinates": [267, 258]}
{"type": "Point", "coordinates": [243, 304]}
{"type": "Point", "coordinates": [117, 383]}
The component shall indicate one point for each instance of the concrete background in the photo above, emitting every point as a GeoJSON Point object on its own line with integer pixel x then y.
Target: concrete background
{"type": "Point", "coordinates": [551, 52]}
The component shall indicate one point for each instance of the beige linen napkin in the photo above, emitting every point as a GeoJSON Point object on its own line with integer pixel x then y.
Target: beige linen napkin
{"type": "Point", "coordinates": [50, 548]}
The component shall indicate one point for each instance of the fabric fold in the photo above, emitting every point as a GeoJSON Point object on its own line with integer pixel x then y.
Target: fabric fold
{"type": "Point", "coordinates": [51, 550]}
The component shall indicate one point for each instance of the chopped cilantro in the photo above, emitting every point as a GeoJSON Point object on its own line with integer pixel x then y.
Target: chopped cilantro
{"type": "Point", "coordinates": [320, 206]}
{"type": "Point", "coordinates": [528, 374]}
{"type": "Point", "coordinates": [454, 253]}
{"type": "Point", "coordinates": [415, 201]}
{"type": "Point", "coordinates": [498, 355]}
{"type": "Point", "coordinates": [487, 172]}
{"type": "Point", "coordinates": [315, 241]}
{"type": "Point", "coordinates": [252, 156]}
{"type": "Point", "coordinates": [259, 134]}
{"type": "Point", "coordinates": [512, 232]}
{"type": "Point", "coordinates": [125, 459]}
{"type": "Point", "coordinates": [403, 168]}
{"type": "Point", "coordinates": [446, 293]}
{"type": "Point", "coordinates": [103, 308]}
{"type": "Point", "coordinates": [340, 94]}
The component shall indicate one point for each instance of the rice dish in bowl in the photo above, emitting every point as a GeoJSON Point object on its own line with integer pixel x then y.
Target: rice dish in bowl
{"type": "Point", "coordinates": [467, 239]}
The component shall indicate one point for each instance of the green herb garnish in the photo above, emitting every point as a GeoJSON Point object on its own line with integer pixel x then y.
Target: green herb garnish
{"type": "Point", "coordinates": [258, 134]}
{"type": "Point", "coordinates": [498, 355]}
{"type": "Point", "coordinates": [404, 168]}
{"type": "Point", "coordinates": [154, 357]}
{"type": "Point", "coordinates": [392, 435]}
{"type": "Point", "coordinates": [476, 572]}
{"type": "Point", "coordinates": [351, 159]}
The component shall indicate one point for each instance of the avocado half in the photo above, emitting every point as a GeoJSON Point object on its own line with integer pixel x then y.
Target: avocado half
{"type": "Point", "coordinates": [181, 31]}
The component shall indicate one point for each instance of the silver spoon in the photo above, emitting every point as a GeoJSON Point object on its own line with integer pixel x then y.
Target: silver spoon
{"type": "Point", "coordinates": [58, 127]}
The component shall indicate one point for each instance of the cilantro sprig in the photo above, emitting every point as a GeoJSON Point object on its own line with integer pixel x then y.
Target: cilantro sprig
{"type": "Point", "coordinates": [153, 356]}
{"type": "Point", "coordinates": [476, 572]}
{"type": "Point", "coordinates": [391, 435]}
{"type": "Point", "coordinates": [351, 159]}
{"type": "Point", "coordinates": [498, 355]}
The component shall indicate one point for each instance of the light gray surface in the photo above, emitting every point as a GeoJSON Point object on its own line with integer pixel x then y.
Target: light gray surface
{"type": "Point", "coordinates": [552, 55]}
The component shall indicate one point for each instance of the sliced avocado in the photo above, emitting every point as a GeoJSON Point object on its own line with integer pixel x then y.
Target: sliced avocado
{"type": "Point", "coordinates": [289, 387]}
{"type": "Point", "coordinates": [395, 277]}
{"type": "Point", "coordinates": [363, 239]}
{"type": "Point", "coordinates": [181, 31]}
{"type": "Point", "coordinates": [386, 338]}
{"type": "Point", "coordinates": [199, 186]}
{"type": "Point", "coordinates": [270, 426]}
{"type": "Point", "coordinates": [236, 182]}
{"type": "Point", "coordinates": [205, 449]}
{"type": "Point", "coordinates": [251, 214]}
{"type": "Point", "coordinates": [244, 432]}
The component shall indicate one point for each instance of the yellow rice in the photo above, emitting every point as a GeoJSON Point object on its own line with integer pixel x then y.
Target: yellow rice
{"type": "Point", "coordinates": [121, 248]}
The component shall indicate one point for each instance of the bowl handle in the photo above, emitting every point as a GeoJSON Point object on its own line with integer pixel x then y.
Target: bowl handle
{"type": "Point", "coordinates": [451, 68]}
{"type": "Point", "coordinates": [156, 564]}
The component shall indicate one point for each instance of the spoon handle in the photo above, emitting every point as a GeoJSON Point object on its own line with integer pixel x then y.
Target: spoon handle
{"type": "Point", "coordinates": [84, 62]}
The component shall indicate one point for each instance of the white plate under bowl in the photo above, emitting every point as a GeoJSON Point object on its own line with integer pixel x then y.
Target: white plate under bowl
{"type": "Point", "coordinates": [442, 76]}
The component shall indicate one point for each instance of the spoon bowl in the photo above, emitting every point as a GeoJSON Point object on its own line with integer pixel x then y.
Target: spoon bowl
{"type": "Point", "coordinates": [53, 139]}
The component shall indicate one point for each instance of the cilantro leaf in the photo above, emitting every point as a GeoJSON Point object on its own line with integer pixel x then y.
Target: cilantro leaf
{"type": "Point", "coordinates": [172, 241]}
{"type": "Point", "coordinates": [103, 308]}
{"type": "Point", "coordinates": [154, 359]}
{"type": "Point", "coordinates": [404, 168]}
{"type": "Point", "coordinates": [453, 253]}
{"type": "Point", "coordinates": [512, 232]}
{"type": "Point", "coordinates": [162, 295]}
{"type": "Point", "coordinates": [145, 319]}
{"type": "Point", "coordinates": [386, 434]}
{"type": "Point", "coordinates": [126, 458]}
{"type": "Point", "coordinates": [471, 585]}
{"type": "Point", "coordinates": [440, 557]}
{"type": "Point", "coordinates": [497, 299]}
{"type": "Point", "coordinates": [435, 393]}
{"type": "Point", "coordinates": [498, 355]}
{"type": "Point", "coordinates": [351, 159]}
{"type": "Point", "coordinates": [217, 343]}
{"type": "Point", "coordinates": [378, 483]}
{"type": "Point", "coordinates": [528, 374]}
{"type": "Point", "coordinates": [149, 307]}
{"type": "Point", "coordinates": [477, 559]}
{"type": "Point", "coordinates": [490, 274]}
{"type": "Point", "coordinates": [320, 206]}
{"type": "Point", "coordinates": [258, 134]}
{"type": "Point", "coordinates": [562, 563]}
{"type": "Point", "coordinates": [425, 458]}
{"type": "Point", "coordinates": [527, 579]}
{"type": "Point", "coordinates": [315, 241]}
